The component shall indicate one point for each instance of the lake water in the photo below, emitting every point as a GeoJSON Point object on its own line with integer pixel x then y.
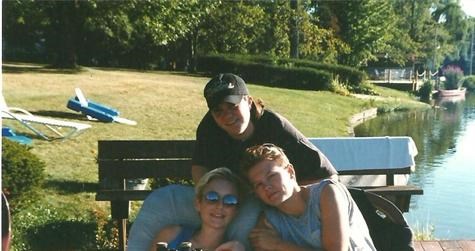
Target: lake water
{"type": "Point", "coordinates": [445, 165]}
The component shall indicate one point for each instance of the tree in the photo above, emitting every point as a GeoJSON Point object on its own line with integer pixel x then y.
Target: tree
{"type": "Point", "coordinates": [22, 30]}
{"type": "Point", "coordinates": [275, 41]}
{"type": "Point", "coordinates": [366, 26]}
{"type": "Point", "coordinates": [233, 27]}
{"type": "Point", "coordinates": [294, 28]}
{"type": "Point", "coordinates": [318, 43]}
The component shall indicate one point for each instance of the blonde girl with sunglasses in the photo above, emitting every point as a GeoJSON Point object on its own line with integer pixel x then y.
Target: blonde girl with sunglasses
{"type": "Point", "coordinates": [217, 202]}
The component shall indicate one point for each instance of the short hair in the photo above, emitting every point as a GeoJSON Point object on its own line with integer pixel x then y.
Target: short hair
{"type": "Point", "coordinates": [258, 153]}
{"type": "Point", "coordinates": [218, 173]}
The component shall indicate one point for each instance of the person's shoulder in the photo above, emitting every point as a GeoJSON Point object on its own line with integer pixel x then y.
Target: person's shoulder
{"type": "Point", "coordinates": [273, 118]}
{"type": "Point", "coordinates": [331, 191]}
{"type": "Point", "coordinates": [206, 120]}
{"type": "Point", "coordinates": [206, 124]}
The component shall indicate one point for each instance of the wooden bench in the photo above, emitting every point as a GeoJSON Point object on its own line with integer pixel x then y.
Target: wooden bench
{"type": "Point", "coordinates": [119, 160]}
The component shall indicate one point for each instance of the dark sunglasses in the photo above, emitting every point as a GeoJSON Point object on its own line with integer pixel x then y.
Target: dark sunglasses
{"type": "Point", "coordinates": [213, 197]}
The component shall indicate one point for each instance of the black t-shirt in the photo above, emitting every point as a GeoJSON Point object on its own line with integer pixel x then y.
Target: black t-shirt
{"type": "Point", "coordinates": [215, 148]}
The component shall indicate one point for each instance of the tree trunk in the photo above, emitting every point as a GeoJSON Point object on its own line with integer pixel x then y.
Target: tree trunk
{"type": "Point", "coordinates": [294, 30]}
{"type": "Point", "coordinates": [65, 25]}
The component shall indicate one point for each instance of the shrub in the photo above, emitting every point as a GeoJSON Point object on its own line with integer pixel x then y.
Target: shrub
{"type": "Point", "coordinates": [41, 227]}
{"type": "Point", "coordinates": [453, 75]}
{"type": "Point", "coordinates": [425, 92]}
{"type": "Point", "coordinates": [63, 235]}
{"type": "Point", "coordinates": [347, 74]}
{"type": "Point", "coordinates": [469, 82]}
{"type": "Point", "coordinates": [302, 78]}
{"type": "Point", "coordinates": [364, 88]}
{"type": "Point", "coordinates": [22, 173]}
{"type": "Point", "coordinates": [339, 87]}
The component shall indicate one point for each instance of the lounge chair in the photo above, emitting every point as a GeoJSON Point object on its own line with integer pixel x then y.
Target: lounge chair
{"type": "Point", "coordinates": [11, 135]}
{"type": "Point", "coordinates": [94, 110]}
{"type": "Point", "coordinates": [33, 121]}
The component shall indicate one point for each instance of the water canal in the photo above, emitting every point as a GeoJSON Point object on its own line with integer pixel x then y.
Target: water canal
{"type": "Point", "coordinates": [445, 165]}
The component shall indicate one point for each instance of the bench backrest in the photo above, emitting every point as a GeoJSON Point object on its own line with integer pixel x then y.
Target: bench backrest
{"type": "Point", "coordinates": [127, 159]}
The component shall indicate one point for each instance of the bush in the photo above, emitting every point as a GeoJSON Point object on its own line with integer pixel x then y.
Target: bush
{"type": "Point", "coordinates": [41, 227]}
{"type": "Point", "coordinates": [339, 87]}
{"type": "Point", "coordinates": [364, 88]}
{"type": "Point", "coordinates": [347, 74]}
{"type": "Point", "coordinates": [453, 75]}
{"type": "Point", "coordinates": [425, 92]}
{"type": "Point", "coordinates": [469, 82]}
{"type": "Point", "coordinates": [302, 78]}
{"type": "Point", "coordinates": [22, 173]}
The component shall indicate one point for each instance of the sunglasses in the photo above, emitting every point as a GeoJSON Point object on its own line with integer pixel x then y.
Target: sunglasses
{"type": "Point", "coordinates": [213, 197]}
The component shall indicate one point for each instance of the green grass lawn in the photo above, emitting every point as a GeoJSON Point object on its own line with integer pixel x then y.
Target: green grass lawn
{"type": "Point", "coordinates": [166, 105]}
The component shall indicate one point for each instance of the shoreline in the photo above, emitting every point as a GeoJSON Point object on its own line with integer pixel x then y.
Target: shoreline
{"type": "Point", "coordinates": [360, 118]}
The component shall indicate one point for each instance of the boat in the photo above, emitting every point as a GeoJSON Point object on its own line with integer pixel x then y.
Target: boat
{"type": "Point", "coordinates": [449, 99]}
{"type": "Point", "coordinates": [452, 93]}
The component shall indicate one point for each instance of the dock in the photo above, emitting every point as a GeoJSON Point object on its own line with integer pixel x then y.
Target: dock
{"type": "Point", "coordinates": [445, 245]}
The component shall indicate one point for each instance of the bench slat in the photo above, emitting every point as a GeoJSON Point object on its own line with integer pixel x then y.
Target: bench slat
{"type": "Point", "coordinates": [124, 195]}
{"type": "Point", "coordinates": [399, 190]}
{"type": "Point", "coordinates": [406, 170]}
{"type": "Point", "coordinates": [136, 149]}
{"type": "Point", "coordinates": [145, 169]}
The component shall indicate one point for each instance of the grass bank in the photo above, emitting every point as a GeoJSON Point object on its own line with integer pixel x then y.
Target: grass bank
{"type": "Point", "coordinates": [166, 105]}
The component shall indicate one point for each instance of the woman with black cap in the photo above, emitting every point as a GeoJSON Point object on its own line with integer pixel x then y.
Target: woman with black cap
{"type": "Point", "coordinates": [234, 122]}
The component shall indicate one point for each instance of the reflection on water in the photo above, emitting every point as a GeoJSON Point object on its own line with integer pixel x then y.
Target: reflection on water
{"type": "Point", "coordinates": [445, 166]}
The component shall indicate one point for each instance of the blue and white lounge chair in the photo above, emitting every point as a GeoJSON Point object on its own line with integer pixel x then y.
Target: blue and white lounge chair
{"type": "Point", "coordinates": [61, 128]}
{"type": "Point", "coordinates": [11, 135]}
{"type": "Point", "coordinates": [94, 110]}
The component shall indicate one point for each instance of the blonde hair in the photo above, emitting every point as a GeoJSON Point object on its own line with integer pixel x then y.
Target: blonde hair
{"type": "Point", "coordinates": [218, 173]}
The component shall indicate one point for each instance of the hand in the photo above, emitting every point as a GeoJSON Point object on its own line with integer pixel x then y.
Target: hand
{"type": "Point", "coordinates": [264, 238]}
{"type": "Point", "coordinates": [231, 246]}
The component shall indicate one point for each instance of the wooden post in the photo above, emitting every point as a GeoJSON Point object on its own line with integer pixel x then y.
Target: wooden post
{"type": "Point", "coordinates": [390, 179]}
{"type": "Point", "coordinates": [389, 75]}
{"type": "Point", "coordinates": [120, 212]}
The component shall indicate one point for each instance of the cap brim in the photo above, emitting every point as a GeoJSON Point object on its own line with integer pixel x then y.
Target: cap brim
{"type": "Point", "coordinates": [233, 99]}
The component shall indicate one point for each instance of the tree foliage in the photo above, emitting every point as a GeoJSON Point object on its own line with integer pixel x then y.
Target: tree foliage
{"type": "Point", "coordinates": [169, 34]}
{"type": "Point", "coordinates": [367, 28]}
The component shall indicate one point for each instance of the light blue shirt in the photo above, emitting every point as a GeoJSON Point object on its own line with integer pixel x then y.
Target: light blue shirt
{"type": "Point", "coordinates": [305, 230]}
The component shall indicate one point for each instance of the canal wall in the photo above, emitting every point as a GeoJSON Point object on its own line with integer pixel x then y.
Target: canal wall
{"type": "Point", "coordinates": [359, 118]}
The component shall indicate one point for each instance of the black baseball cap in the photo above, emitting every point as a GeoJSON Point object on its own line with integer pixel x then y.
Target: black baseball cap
{"type": "Point", "coordinates": [225, 87]}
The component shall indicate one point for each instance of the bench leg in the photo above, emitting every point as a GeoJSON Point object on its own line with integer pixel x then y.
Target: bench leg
{"type": "Point", "coordinates": [120, 212]}
{"type": "Point", "coordinates": [122, 234]}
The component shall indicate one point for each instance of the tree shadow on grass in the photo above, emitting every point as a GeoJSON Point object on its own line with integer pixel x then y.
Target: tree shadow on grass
{"type": "Point", "coordinates": [65, 115]}
{"type": "Point", "coordinates": [71, 187]}
{"type": "Point", "coordinates": [19, 69]}
{"type": "Point", "coordinates": [60, 114]}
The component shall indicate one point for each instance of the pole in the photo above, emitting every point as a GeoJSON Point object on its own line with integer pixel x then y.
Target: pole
{"type": "Point", "coordinates": [471, 49]}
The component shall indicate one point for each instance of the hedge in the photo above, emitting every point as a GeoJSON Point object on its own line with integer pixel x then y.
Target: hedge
{"type": "Point", "coordinates": [265, 73]}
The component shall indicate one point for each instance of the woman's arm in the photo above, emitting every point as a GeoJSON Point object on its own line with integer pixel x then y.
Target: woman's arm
{"type": "Point", "coordinates": [167, 234]}
{"type": "Point", "coordinates": [335, 219]}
